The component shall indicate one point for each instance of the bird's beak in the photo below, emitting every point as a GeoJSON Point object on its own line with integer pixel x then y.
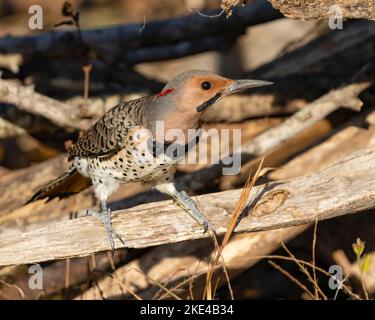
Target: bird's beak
{"type": "Point", "coordinates": [241, 85]}
{"type": "Point", "coordinates": [233, 87]}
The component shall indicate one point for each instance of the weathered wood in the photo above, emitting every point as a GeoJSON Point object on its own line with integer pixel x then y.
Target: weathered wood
{"type": "Point", "coordinates": [320, 9]}
{"type": "Point", "coordinates": [346, 96]}
{"type": "Point", "coordinates": [344, 188]}
{"type": "Point", "coordinates": [26, 99]}
{"type": "Point", "coordinates": [127, 38]}
{"type": "Point", "coordinates": [350, 137]}
{"type": "Point", "coordinates": [17, 187]}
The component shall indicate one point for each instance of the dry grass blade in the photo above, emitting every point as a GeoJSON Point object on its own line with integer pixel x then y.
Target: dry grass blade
{"type": "Point", "coordinates": [13, 286]}
{"type": "Point", "coordinates": [305, 271]}
{"type": "Point", "coordinates": [314, 260]}
{"type": "Point", "coordinates": [67, 276]}
{"type": "Point", "coordinates": [124, 286]}
{"type": "Point", "coordinates": [306, 263]}
{"type": "Point", "coordinates": [240, 206]}
{"type": "Point", "coordinates": [150, 279]}
{"type": "Point", "coordinates": [169, 291]}
{"type": "Point", "coordinates": [86, 72]}
{"type": "Point", "coordinates": [189, 281]}
{"type": "Point", "coordinates": [225, 269]}
{"type": "Point", "coordinates": [293, 279]}
{"type": "Point", "coordinates": [171, 276]}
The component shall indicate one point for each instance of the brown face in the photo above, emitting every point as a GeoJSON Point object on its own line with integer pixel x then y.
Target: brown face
{"type": "Point", "coordinates": [203, 91]}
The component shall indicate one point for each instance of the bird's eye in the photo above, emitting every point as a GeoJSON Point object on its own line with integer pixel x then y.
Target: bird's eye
{"type": "Point", "coordinates": [206, 85]}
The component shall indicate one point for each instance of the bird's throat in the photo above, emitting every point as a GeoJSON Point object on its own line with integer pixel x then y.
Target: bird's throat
{"type": "Point", "coordinates": [209, 102]}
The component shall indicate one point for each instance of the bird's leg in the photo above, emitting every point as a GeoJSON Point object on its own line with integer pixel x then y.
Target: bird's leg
{"type": "Point", "coordinates": [187, 203]}
{"type": "Point", "coordinates": [105, 216]}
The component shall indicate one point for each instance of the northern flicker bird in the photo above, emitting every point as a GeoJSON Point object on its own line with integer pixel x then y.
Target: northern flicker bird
{"type": "Point", "coordinates": [115, 149]}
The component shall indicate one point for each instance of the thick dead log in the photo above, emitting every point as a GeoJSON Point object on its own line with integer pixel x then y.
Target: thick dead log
{"type": "Point", "coordinates": [350, 137]}
{"type": "Point", "coordinates": [321, 9]}
{"type": "Point", "coordinates": [272, 206]}
{"type": "Point", "coordinates": [127, 38]}
{"type": "Point", "coordinates": [26, 99]}
{"type": "Point", "coordinates": [350, 46]}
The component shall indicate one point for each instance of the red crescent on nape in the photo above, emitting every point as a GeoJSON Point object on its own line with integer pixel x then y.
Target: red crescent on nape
{"type": "Point", "coordinates": [164, 93]}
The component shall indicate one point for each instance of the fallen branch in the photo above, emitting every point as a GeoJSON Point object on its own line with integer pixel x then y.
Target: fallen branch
{"type": "Point", "coordinates": [346, 96]}
{"type": "Point", "coordinates": [352, 136]}
{"type": "Point", "coordinates": [126, 38]}
{"type": "Point", "coordinates": [275, 205]}
{"type": "Point", "coordinates": [26, 99]}
{"type": "Point", "coordinates": [344, 47]}
{"type": "Point", "coordinates": [318, 9]}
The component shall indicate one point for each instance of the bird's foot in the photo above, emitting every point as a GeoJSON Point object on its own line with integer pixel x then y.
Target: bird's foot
{"type": "Point", "coordinates": [196, 214]}
{"type": "Point", "coordinates": [105, 217]}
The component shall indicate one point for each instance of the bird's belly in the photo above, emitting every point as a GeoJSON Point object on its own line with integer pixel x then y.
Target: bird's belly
{"type": "Point", "coordinates": [125, 167]}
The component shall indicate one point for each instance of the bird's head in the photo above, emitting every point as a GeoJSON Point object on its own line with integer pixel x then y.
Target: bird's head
{"type": "Point", "coordinates": [196, 90]}
{"type": "Point", "coordinates": [183, 100]}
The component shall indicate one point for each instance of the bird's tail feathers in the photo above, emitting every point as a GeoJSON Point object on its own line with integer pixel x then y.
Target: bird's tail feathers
{"type": "Point", "coordinates": [69, 183]}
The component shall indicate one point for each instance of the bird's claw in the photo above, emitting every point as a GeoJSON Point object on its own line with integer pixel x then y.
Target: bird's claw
{"type": "Point", "coordinates": [105, 217]}
{"type": "Point", "coordinates": [195, 212]}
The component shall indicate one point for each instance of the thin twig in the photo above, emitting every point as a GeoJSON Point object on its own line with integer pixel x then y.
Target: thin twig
{"type": "Point", "coordinates": [314, 260]}
{"type": "Point", "coordinates": [293, 279]}
{"type": "Point", "coordinates": [67, 276]}
{"type": "Point", "coordinates": [13, 286]}
{"type": "Point", "coordinates": [345, 287]}
{"type": "Point", "coordinates": [304, 270]}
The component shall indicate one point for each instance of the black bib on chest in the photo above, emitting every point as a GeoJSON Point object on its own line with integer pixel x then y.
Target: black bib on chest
{"type": "Point", "coordinates": [171, 149]}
